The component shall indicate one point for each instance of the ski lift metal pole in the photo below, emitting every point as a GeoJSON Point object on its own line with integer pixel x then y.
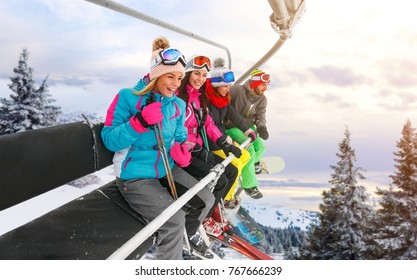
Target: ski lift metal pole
{"type": "Point", "coordinates": [286, 14]}
{"type": "Point", "coordinates": [126, 249]}
{"type": "Point", "coordinates": [112, 5]}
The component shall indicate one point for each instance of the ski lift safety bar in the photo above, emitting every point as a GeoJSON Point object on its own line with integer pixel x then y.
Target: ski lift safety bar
{"type": "Point", "coordinates": [126, 249]}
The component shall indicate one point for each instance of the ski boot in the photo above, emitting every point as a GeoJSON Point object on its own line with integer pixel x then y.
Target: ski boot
{"type": "Point", "coordinates": [232, 203]}
{"type": "Point", "coordinates": [197, 244]}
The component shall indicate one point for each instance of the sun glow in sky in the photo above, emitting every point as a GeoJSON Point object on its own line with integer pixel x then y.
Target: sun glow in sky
{"type": "Point", "coordinates": [348, 63]}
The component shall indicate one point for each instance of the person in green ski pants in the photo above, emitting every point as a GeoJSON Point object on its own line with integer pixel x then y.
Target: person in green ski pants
{"type": "Point", "coordinates": [250, 102]}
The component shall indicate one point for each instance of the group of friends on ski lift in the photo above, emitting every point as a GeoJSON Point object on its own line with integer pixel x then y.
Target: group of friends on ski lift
{"type": "Point", "coordinates": [200, 121]}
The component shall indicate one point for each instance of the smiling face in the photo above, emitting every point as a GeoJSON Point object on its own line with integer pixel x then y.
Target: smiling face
{"type": "Point", "coordinates": [198, 78]}
{"type": "Point", "coordinates": [222, 90]}
{"type": "Point", "coordinates": [168, 83]}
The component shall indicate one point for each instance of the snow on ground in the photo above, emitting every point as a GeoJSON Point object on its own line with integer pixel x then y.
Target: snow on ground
{"type": "Point", "coordinates": [278, 216]}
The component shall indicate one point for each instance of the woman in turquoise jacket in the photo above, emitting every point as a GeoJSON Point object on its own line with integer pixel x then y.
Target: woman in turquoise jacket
{"type": "Point", "coordinates": [138, 164]}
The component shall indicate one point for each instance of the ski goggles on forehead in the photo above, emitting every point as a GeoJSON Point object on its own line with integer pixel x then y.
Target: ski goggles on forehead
{"type": "Point", "coordinates": [265, 78]}
{"type": "Point", "coordinates": [169, 57]}
{"type": "Point", "coordinates": [228, 77]}
{"type": "Point", "coordinates": [200, 62]}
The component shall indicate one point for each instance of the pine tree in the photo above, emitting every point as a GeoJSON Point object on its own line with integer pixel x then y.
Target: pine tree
{"type": "Point", "coordinates": [395, 224]}
{"type": "Point", "coordinates": [343, 212]}
{"type": "Point", "coordinates": [28, 107]}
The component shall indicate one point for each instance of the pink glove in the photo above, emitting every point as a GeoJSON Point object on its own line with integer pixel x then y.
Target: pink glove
{"type": "Point", "coordinates": [152, 113]}
{"type": "Point", "coordinates": [180, 154]}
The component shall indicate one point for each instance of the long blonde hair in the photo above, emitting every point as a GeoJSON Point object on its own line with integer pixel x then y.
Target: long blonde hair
{"type": "Point", "coordinates": [147, 88]}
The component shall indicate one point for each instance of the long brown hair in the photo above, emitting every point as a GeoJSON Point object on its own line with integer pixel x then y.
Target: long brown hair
{"type": "Point", "coordinates": [183, 93]}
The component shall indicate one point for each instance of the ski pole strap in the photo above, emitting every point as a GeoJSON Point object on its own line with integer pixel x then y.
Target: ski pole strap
{"type": "Point", "coordinates": [204, 136]}
{"type": "Point", "coordinates": [201, 119]}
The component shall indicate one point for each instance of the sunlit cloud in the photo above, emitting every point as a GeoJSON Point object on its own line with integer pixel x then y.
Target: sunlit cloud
{"type": "Point", "coordinates": [400, 72]}
{"type": "Point", "coordinates": [339, 76]}
{"type": "Point", "coordinates": [333, 99]}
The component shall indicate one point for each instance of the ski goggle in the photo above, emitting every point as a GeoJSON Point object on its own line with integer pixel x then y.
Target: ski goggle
{"type": "Point", "coordinates": [199, 62]}
{"type": "Point", "coordinates": [228, 77]}
{"type": "Point", "coordinates": [265, 78]}
{"type": "Point", "coordinates": [169, 57]}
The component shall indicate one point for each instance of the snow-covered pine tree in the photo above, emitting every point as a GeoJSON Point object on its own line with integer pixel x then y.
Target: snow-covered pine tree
{"type": "Point", "coordinates": [343, 212]}
{"type": "Point", "coordinates": [395, 224]}
{"type": "Point", "coordinates": [28, 107]}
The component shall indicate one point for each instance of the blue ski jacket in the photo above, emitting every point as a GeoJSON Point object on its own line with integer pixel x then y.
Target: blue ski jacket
{"type": "Point", "coordinates": [136, 154]}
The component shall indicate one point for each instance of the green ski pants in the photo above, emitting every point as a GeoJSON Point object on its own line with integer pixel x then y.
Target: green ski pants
{"type": "Point", "coordinates": [256, 151]}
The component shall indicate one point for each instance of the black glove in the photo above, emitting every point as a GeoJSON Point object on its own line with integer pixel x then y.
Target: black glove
{"type": "Point", "coordinates": [203, 154]}
{"type": "Point", "coordinates": [263, 133]}
{"type": "Point", "coordinates": [228, 148]}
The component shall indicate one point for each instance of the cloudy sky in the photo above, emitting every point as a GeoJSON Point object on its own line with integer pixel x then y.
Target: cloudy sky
{"type": "Point", "coordinates": [348, 64]}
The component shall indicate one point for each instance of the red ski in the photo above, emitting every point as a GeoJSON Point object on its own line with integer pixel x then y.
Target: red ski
{"type": "Point", "coordinates": [240, 245]}
{"type": "Point", "coordinates": [249, 250]}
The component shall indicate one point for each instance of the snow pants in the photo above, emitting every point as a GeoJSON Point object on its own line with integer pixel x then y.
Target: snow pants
{"type": "Point", "coordinates": [256, 151]}
{"type": "Point", "coordinates": [200, 168]}
{"type": "Point", "coordinates": [150, 197]}
{"type": "Point", "coordinates": [239, 163]}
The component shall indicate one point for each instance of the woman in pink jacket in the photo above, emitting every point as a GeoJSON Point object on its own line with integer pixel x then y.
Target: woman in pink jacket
{"type": "Point", "coordinates": [200, 127]}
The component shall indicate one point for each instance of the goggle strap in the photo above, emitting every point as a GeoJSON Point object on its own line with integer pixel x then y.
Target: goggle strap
{"type": "Point", "coordinates": [260, 78]}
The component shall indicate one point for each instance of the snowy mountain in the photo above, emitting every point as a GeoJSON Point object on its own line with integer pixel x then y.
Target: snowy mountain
{"type": "Point", "coordinates": [278, 216]}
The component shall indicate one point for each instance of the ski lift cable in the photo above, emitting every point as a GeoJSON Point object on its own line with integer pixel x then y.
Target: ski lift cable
{"type": "Point", "coordinates": [126, 249]}
{"type": "Point", "coordinates": [112, 5]}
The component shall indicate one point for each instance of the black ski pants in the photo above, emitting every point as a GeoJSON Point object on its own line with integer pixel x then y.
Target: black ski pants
{"type": "Point", "coordinates": [199, 168]}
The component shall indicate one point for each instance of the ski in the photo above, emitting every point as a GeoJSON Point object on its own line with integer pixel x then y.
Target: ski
{"type": "Point", "coordinates": [255, 252]}
{"type": "Point", "coordinates": [240, 245]}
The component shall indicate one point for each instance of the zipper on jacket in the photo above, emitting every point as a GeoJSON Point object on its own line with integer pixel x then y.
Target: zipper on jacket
{"type": "Point", "coordinates": [131, 150]}
{"type": "Point", "coordinates": [156, 165]}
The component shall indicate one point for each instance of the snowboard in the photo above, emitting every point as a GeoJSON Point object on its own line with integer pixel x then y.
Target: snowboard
{"type": "Point", "coordinates": [244, 225]}
{"type": "Point", "coordinates": [272, 165]}
{"type": "Point", "coordinates": [241, 221]}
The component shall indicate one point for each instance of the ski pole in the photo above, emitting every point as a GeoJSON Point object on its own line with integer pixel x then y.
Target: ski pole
{"type": "Point", "coordinates": [170, 177]}
{"type": "Point", "coordinates": [164, 154]}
